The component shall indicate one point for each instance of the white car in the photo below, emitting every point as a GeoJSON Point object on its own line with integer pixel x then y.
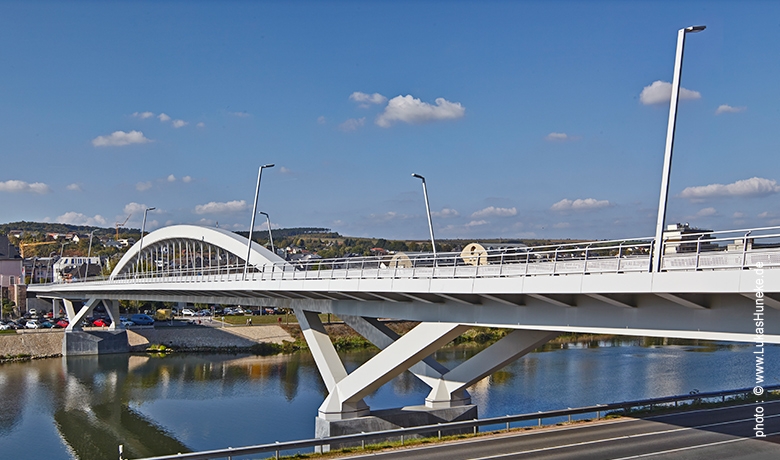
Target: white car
{"type": "Point", "coordinates": [187, 312]}
{"type": "Point", "coordinates": [126, 323]}
{"type": "Point", "coordinates": [33, 324]}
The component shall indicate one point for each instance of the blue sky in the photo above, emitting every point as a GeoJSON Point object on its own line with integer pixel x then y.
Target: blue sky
{"type": "Point", "coordinates": [528, 119]}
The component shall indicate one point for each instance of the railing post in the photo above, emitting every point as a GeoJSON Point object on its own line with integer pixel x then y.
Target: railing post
{"type": "Point", "coordinates": [698, 251]}
{"type": "Point", "coordinates": [744, 248]}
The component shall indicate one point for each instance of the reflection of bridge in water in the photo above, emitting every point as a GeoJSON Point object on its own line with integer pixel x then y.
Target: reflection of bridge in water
{"type": "Point", "coordinates": [706, 289]}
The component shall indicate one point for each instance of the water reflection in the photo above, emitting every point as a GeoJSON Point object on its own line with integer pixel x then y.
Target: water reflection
{"type": "Point", "coordinates": [84, 407]}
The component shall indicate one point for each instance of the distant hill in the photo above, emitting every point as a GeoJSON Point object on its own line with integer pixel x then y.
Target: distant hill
{"type": "Point", "coordinates": [47, 227]}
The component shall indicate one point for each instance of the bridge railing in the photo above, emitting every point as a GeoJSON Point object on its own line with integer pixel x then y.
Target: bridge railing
{"type": "Point", "coordinates": [733, 249]}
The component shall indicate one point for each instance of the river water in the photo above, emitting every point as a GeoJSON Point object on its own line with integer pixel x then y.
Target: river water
{"type": "Point", "coordinates": [85, 407]}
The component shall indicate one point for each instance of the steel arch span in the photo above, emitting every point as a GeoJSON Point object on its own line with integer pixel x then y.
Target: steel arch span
{"type": "Point", "coordinates": [181, 248]}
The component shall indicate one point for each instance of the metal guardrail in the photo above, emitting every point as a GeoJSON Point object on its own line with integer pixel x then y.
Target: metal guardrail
{"type": "Point", "coordinates": [732, 249]}
{"type": "Point", "coordinates": [278, 447]}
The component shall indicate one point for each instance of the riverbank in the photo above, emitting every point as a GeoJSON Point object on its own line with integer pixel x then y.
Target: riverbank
{"type": "Point", "coordinates": [267, 339]}
{"type": "Point", "coordinates": [38, 344]}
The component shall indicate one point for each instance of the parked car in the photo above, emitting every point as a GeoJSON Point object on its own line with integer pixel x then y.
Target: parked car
{"type": "Point", "coordinates": [32, 312]}
{"type": "Point", "coordinates": [4, 326]}
{"type": "Point", "coordinates": [62, 323]}
{"type": "Point", "coordinates": [100, 322]}
{"type": "Point", "coordinates": [187, 312]}
{"type": "Point", "coordinates": [204, 313]}
{"type": "Point", "coordinates": [142, 320]}
{"type": "Point", "coordinates": [47, 325]}
{"type": "Point", "coordinates": [32, 324]}
{"type": "Point", "coordinates": [126, 323]}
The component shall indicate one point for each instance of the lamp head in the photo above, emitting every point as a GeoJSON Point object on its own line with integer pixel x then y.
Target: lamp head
{"type": "Point", "coordinates": [694, 29]}
{"type": "Point", "coordinates": [270, 165]}
{"type": "Point", "coordinates": [150, 209]}
{"type": "Point", "coordinates": [418, 176]}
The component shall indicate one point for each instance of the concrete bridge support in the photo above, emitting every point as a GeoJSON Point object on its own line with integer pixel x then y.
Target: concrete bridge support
{"type": "Point", "coordinates": [76, 341]}
{"type": "Point", "coordinates": [344, 410]}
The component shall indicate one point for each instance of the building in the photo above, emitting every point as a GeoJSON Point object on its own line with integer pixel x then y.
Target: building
{"type": "Point", "coordinates": [66, 269]}
{"type": "Point", "coordinates": [680, 238]}
{"type": "Point", "coordinates": [11, 275]}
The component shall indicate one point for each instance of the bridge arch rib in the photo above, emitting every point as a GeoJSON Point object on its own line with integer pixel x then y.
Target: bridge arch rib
{"type": "Point", "coordinates": [177, 249]}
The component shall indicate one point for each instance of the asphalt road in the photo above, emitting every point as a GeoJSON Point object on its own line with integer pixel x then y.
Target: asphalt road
{"type": "Point", "coordinates": [716, 434]}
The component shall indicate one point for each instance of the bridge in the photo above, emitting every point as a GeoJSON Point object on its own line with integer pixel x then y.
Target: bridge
{"type": "Point", "coordinates": [711, 285]}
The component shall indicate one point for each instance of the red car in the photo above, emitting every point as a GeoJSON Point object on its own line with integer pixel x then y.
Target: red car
{"type": "Point", "coordinates": [63, 323]}
{"type": "Point", "coordinates": [99, 323]}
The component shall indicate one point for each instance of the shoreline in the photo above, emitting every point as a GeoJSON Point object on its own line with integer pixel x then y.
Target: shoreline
{"type": "Point", "coordinates": [270, 339]}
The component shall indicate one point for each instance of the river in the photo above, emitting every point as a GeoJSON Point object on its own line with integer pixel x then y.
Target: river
{"type": "Point", "coordinates": [85, 407]}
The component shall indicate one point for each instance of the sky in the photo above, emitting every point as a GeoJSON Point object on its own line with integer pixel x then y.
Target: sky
{"type": "Point", "coordinates": [527, 119]}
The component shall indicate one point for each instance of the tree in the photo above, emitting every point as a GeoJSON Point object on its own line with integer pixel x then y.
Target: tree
{"type": "Point", "coordinates": [8, 307]}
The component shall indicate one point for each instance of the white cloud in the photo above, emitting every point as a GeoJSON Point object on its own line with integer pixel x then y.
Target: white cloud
{"type": "Point", "coordinates": [706, 212]}
{"type": "Point", "coordinates": [738, 215]}
{"type": "Point", "coordinates": [201, 125]}
{"type": "Point", "coordinates": [366, 99]}
{"type": "Point", "coordinates": [120, 138]}
{"type": "Point", "coordinates": [412, 110]}
{"type": "Point", "coordinates": [557, 137]}
{"type": "Point", "coordinates": [74, 187]}
{"type": "Point", "coordinates": [387, 217]}
{"type": "Point", "coordinates": [186, 179]}
{"type": "Point", "coordinates": [163, 117]}
{"type": "Point", "coordinates": [477, 223]}
{"type": "Point", "coordinates": [321, 120]}
{"type": "Point", "coordinates": [19, 186]}
{"type": "Point", "coordinates": [77, 218]}
{"type": "Point", "coordinates": [725, 108]}
{"type": "Point", "coordinates": [446, 213]}
{"type": "Point", "coordinates": [660, 92]}
{"type": "Point", "coordinates": [284, 170]}
{"type": "Point", "coordinates": [240, 114]}
{"type": "Point", "coordinates": [171, 178]}
{"type": "Point", "coordinates": [492, 211]}
{"type": "Point", "coordinates": [579, 204]}
{"type": "Point", "coordinates": [562, 225]}
{"type": "Point", "coordinates": [138, 209]}
{"type": "Point", "coordinates": [216, 207]}
{"type": "Point", "coordinates": [143, 115]}
{"type": "Point", "coordinates": [352, 124]}
{"type": "Point", "coordinates": [179, 123]}
{"type": "Point", "coordinates": [755, 186]}
{"type": "Point", "coordinates": [143, 186]}
{"type": "Point", "coordinates": [765, 215]}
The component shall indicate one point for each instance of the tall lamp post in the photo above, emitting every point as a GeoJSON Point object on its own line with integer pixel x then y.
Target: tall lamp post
{"type": "Point", "coordinates": [254, 213]}
{"type": "Point", "coordinates": [89, 253]}
{"type": "Point", "coordinates": [659, 228]}
{"type": "Point", "coordinates": [141, 243]}
{"type": "Point", "coordinates": [270, 235]}
{"type": "Point", "coordinates": [428, 211]}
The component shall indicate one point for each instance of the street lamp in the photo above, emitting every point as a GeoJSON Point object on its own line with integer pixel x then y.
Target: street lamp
{"type": "Point", "coordinates": [270, 235]}
{"type": "Point", "coordinates": [659, 228]}
{"type": "Point", "coordinates": [428, 210]}
{"type": "Point", "coordinates": [254, 213]}
{"type": "Point", "coordinates": [89, 253]}
{"type": "Point", "coordinates": [141, 243]}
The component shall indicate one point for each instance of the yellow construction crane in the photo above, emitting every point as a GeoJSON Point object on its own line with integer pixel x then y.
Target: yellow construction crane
{"type": "Point", "coordinates": [24, 245]}
{"type": "Point", "coordinates": [117, 225]}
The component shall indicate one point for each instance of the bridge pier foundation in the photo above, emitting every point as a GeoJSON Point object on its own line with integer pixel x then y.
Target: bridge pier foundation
{"type": "Point", "coordinates": [79, 343]}
{"type": "Point", "coordinates": [76, 341]}
{"type": "Point", "coordinates": [389, 419]}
